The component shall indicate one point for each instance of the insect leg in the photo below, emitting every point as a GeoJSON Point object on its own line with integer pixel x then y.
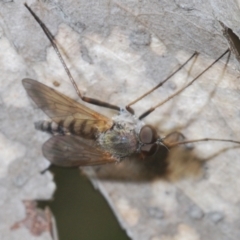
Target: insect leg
{"type": "Point", "coordinates": [161, 83]}
{"type": "Point", "coordinates": [202, 140]}
{"type": "Point", "coordinates": [146, 113]}
{"type": "Point", "coordinates": [52, 40]}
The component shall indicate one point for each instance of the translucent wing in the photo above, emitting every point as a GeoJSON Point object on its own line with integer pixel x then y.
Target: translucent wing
{"type": "Point", "coordinates": [65, 111]}
{"type": "Point", "coordinates": [72, 151]}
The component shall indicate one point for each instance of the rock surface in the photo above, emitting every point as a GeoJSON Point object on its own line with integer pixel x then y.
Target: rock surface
{"type": "Point", "coordinates": [116, 50]}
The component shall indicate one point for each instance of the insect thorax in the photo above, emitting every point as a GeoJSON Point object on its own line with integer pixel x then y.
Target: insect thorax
{"type": "Point", "coordinates": [120, 142]}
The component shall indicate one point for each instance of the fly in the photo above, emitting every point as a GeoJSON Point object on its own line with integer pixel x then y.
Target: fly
{"type": "Point", "coordinates": [84, 137]}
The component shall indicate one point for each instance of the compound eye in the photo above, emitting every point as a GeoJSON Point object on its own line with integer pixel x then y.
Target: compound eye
{"type": "Point", "coordinates": [148, 134]}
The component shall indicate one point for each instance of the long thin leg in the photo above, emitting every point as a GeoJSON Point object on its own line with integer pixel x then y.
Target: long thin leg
{"type": "Point", "coordinates": [210, 96]}
{"type": "Point", "coordinates": [146, 113]}
{"type": "Point", "coordinates": [202, 140]}
{"type": "Point", "coordinates": [161, 83]}
{"type": "Point", "coordinates": [52, 40]}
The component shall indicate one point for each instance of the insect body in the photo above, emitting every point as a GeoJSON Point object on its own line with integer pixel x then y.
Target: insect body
{"type": "Point", "coordinates": [82, 136]}
{"type": "Point", "coordinates": [85, 137]}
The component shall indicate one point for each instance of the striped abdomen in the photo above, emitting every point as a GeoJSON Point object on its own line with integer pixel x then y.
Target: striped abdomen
{"type": "Point", "coordinates": [65, 127]}
{"type": "Point", "coordinates": [50, 127]}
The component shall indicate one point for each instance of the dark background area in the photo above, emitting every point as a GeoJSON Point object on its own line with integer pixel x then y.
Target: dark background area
{"type": "Point", "coordinates": [80, 211]}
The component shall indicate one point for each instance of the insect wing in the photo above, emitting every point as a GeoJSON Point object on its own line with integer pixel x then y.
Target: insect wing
{"type": "Point", "coordinates": [65, 111]}
{"type": "Point", "coordinates": [72, 151]}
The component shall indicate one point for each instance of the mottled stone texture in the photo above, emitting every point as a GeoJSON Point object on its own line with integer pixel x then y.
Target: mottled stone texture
{"type": "Point", "coordinates": [116, 50]}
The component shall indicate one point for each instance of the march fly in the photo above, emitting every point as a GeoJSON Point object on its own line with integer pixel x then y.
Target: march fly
{"type": "Point", "coordinates": [84, 137]}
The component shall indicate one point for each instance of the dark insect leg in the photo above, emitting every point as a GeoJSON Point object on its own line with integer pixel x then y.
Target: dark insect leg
{"type": "Point", "coordinates": [161, 83]}
{"type": "Point", "coordinates": [146, 113]}
{"type": "Point", "coordinates": [52, 40]}
{"type": "Point", "coordinates": [202, 140]}
{"type": "Point", "coordinates": [210, 96]}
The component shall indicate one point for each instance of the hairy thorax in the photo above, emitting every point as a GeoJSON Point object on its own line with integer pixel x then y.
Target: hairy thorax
{"type": "Point", "coordinates": [121, 140]}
